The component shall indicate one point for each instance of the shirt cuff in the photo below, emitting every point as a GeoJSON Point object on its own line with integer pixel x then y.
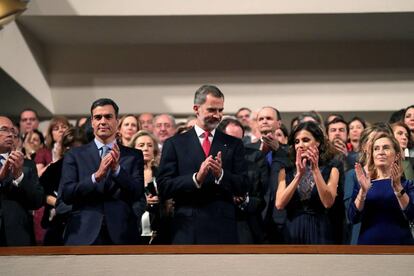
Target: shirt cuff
{"type": "Point", "coordinates": [17, 181]}
{"type": "Point", "coordinates": [217, 181]}
{"type": "Point", "coordinates": [195, 181]}
{"type": "Point", "coordinates": [244, 204]}
{"type": "Point", "coordinates": [93, 179]}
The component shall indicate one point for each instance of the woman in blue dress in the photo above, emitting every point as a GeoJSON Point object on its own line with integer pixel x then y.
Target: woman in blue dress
{"type": "Point", "coordinates": [382, 202]}
{"type": "Point", "coordinates": [308, 189]}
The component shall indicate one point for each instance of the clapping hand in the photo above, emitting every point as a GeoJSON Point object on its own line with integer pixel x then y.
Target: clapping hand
{"type": "Point", "coordinates": [363, 180]}
{"type": "Point", "coordinates": [300, 162]}
{"type": "Point", "coordinates": [269, 142]}
{"type": "Point", "coordinates": [215, 165]}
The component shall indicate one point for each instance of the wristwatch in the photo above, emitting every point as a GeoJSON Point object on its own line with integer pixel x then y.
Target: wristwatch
{"type": "Point", "coordinates": [400, 193]}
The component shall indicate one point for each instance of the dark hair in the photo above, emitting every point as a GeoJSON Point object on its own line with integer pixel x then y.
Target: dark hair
{"type": "Point", "coordinates": [336, 115]}
{"type": "Point", "coordinates": [29, 109]}
{"type": "Point", "coordinates": [401, 124]}
{"type": "Point", "coordinates": [206, 89]}
{"type": "Point", "coordinates": [241, 109]}
{"type": "Point", "coordinates": [397, 116]}
{"type": "Point", "coordinates": [284, 130]}
{"type": "Point", "coordinates": [326, 152]}
{"type": "Point", "coordinates": [311, 114]}
{"type": "Point", "coordinates": [229, 121]}
{"type": "Point", "coordinates": [103, 102]}
{"type": "Point", "coordinates": [40, 134]}
{"type": "Point", "coordinates": [72, 136]}
{"type": "Point", "coordinates": [335, 121]}
{"type": "Point", "coordinates": [53, 122]}
{"type": "Point", "coordinates": [356, 118]}
{"type": "Point", "coordinates": [408, 107]}
{"type": "Point", "coordinates": [292, 122]}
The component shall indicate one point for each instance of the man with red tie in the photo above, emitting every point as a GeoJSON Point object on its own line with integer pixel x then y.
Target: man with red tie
{"type": "Point", "coordinates": [202, 170]}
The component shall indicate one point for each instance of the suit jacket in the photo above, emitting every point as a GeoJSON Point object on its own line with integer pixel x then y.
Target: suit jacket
{"type": "Point", "coordinates": [16, 204]}
{"type": "Point", "coordinates": [203, 215]}
{"type": "Point", "coordinates": [273, 219]}
{"type": "Point", "coordinates": [108, 202]}
{"type": "Point", "coordinates": [249, 219]}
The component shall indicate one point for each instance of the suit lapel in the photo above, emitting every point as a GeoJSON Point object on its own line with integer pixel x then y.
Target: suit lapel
{"type": "Point", "coordinates": [219, 144]}
{"type": "Point", "coordinates": [194, 144]}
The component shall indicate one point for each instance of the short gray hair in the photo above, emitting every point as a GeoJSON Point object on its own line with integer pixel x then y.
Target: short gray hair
{"type": "Point", "coordinates": [207, 89]}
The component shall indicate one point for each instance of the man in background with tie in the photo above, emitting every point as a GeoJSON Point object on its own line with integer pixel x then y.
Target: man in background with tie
{"type": "Point", "coordinates": [20, 191]}
{"type": "Point", "coordinates": [202, 170]}
{"type": "Point", "coordinates": [102, 180]}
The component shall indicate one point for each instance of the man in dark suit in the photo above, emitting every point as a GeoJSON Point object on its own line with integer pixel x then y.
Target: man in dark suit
{"type": "Point", "coordinates": [20, 191]}
{"type": "Point", "coordinates": [202, 170]}
{"type": "Point", "coordinates": [249, 206]}
{"type": "Point", "coordinates": [269, 120]}
{"type": "Point", "coordinates": [102, 180]}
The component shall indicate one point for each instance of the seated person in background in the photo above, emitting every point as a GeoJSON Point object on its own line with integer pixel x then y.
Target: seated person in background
{"type": "Point", "coordinates": [381, 201]}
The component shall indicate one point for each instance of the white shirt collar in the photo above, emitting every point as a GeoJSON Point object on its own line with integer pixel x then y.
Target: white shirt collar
{"type": "Point", "coordinates": [201, 131]}
{"type": "Point", "coordinates": [99, 144]}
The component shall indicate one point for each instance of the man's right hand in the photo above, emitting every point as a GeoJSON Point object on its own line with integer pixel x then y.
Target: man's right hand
{"type": "Point", "coordinates": [105, 165]}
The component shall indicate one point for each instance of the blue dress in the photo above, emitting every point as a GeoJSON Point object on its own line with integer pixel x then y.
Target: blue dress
{"type": "Point", "coordinates": [382, 220]}
{"type": "Point", "coordinates": [308, 221]}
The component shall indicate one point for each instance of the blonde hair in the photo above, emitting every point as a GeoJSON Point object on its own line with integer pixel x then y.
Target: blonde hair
{"type": "Point", "coordinates": [141, 133]}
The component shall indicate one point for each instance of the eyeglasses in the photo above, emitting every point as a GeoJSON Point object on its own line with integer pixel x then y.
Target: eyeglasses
{"type": "Point", "coordinates": [6, 130]}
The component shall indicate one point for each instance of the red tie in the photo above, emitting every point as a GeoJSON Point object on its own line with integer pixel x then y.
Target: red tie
{"type": "Point", "coordinates": [206, 143]}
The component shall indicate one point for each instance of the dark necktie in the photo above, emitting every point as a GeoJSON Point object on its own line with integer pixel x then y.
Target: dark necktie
{"type": "Point", "coordinates": [206, 143]}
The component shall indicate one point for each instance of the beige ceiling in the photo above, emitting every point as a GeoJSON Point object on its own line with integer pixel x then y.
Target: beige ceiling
{"type": "Point", "coordinates": [219, 29]}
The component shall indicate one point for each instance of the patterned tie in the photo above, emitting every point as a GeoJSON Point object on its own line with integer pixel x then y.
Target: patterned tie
{"type": "Point", "coordinates": [206, 143]}
{"type": "Point", "coordinates": [105, 150]}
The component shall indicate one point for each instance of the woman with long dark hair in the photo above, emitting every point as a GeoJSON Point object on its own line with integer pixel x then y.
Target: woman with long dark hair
{"type": "Point", "coordinates": [308, 188]}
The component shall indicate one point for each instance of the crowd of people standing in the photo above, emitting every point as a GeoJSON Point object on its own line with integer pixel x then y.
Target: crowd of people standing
{"type": "Point", "coordinates": [214, 179]}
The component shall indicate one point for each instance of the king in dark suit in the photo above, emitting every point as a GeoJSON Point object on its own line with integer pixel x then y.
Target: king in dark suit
{"type": "Point", "coordinates": [202, 170]}
{"type": "Point", "coordinates": [102, 180]}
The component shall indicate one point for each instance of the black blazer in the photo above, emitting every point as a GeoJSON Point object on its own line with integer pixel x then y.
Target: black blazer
{"type": "Point", "coordinates": [205, 215]}
{"type": "Point", "coordinates": [16, 204]}
{"type": "Point", "coordinates": [109, 201]}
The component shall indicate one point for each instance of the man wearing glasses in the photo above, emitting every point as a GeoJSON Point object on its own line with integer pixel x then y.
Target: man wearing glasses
{"type": "Point", "coordinates": [19, 191]}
